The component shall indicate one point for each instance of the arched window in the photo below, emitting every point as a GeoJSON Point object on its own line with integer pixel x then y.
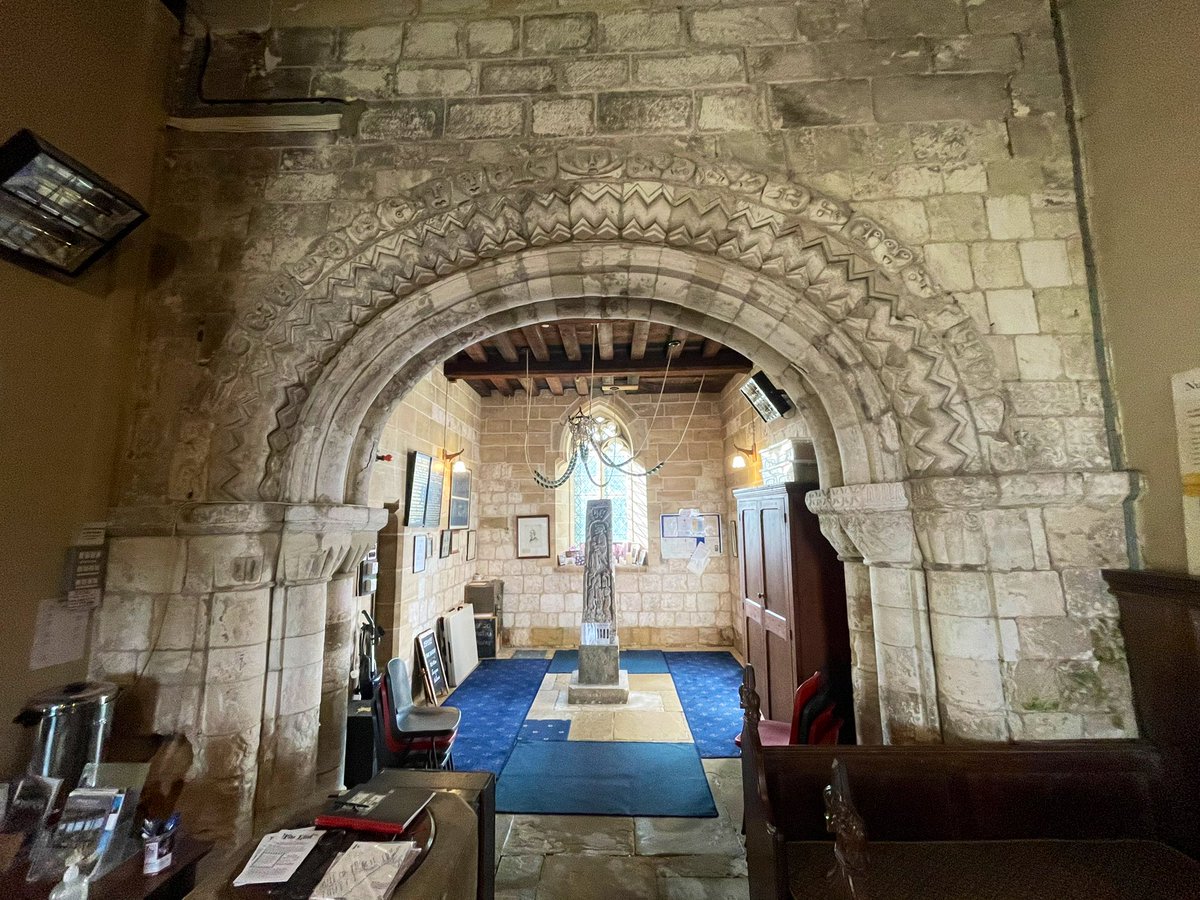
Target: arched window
{"type": "Point", "coordinates": [626, 489]}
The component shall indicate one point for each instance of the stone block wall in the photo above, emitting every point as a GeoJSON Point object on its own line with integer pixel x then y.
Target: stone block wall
{"type": "Point", "coordinates": [433, 415]}
{"type": "Point", "coordinates": [658, 605]}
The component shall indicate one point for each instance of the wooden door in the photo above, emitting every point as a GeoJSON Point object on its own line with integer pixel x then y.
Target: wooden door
{"type": "Point", "coordinates": [750, 535]}
{"type": "Point", "coordinates": [778, 605]}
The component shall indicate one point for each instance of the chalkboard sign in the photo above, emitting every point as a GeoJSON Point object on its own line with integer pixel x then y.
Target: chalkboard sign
{"type": "Point", "coordinates": [417, 489]}
{"type": "Point", "coordinates": [433, 496]}
{"type": "Point", "coordinates": [430, 659]}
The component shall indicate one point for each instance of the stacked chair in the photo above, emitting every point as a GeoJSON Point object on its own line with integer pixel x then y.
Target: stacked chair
{"type": "Point", "coordinates": [406, 735]}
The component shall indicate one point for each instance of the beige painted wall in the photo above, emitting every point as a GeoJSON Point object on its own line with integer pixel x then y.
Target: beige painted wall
{"type": "Point", "coordinates": [88, 76]}
{"type": "Point", "coordinates": [1136, 69]}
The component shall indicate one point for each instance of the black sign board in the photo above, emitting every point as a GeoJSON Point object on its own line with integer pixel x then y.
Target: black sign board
{"type": "Point", "coordinates": [417, 488]}
{"type": "Point", "coordinates": [430, 659]}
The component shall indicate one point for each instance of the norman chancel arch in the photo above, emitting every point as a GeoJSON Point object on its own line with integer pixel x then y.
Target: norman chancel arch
{"type": "Point", "coordinates": [963, 558]}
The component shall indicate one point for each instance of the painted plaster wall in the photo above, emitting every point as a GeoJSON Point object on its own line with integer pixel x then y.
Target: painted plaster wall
{"type": "Point", "coordinates": [1135, 74]}
{"type": "Point", "coordinates": [89, 77]}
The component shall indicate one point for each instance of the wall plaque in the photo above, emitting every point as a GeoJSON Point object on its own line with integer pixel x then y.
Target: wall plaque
{"type": "Point", "coordinates": [416, 488]}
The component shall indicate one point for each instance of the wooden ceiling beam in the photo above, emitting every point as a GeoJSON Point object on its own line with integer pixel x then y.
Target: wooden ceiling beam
{"type": "Point", "coordinates": [581, 386]}
{"type": "Point", "coordinates": [502, 385]}
{"type": "Point", "coordinates": [508, 350]}
{"type": "Point", "coordinates": [555, 384]}
{"type": "Point", "coordinates": [727, 362]}
{"type": "Point", "coordinates": [537, 343]}
{"type": "Point", "coordinates": [477, 352]}
{"type": "Point", "coordinates": [711, 348]}
{"type": "Point", "coordinates": [570, 341]}
{"type": "Point", "coordinates": [677, 334]}
{"type": "Point", "coordinates": [604, 333]}
{"type": "Point", "coordinates": [481, 388]}
{"type": "Point", "coordinates": [641, 332]}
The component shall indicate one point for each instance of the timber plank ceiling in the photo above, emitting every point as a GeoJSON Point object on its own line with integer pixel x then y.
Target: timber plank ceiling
{"type": "Point", "coordinates": [624, 356]}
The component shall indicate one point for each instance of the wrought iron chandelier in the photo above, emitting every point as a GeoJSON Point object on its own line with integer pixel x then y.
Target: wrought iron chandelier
{"type": "Point", "coordinates": [590, 433]}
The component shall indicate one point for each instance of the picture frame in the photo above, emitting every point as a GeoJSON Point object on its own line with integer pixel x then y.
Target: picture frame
{"type": "Point", "coordinates": [471, 541]}
{"type": "Point", "coordinates": [420, 552]}
{"type": "Point", "coordinates": [429, 547]}
{"type": "Point", "coordinates": [460, 500]}
{"type": "Point", "coordinates": [456, 540]}
{"type": "Point", "coordinates": [444, 548]}
{"type": "Point", "coordinates": [533, 537]}
{"type": "Point", "coordinates": [433, 671]}
{"type": "Point", "coordinates": [670, 528]}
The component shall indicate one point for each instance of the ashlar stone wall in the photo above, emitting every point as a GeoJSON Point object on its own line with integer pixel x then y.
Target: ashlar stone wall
{"type": "Point", "coordinates": [660, 604]}
{"type": "Point", "coordinates": [933, 128]}
{"type": "Point", "coordinates": [433, 416]}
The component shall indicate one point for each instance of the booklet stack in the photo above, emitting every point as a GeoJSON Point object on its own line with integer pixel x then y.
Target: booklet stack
{"type": "Point", "coordinates": [367, 871]}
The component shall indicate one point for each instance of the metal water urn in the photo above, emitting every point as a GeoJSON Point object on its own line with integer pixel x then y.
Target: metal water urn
{"type": "Point", "coordinates": [71, 725]}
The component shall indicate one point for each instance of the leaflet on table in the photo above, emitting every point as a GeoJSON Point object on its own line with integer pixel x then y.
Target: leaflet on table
{"type": "Point", "coordinates": [278, 856]}
{"type": "Point", "coordinates": [367, 871]}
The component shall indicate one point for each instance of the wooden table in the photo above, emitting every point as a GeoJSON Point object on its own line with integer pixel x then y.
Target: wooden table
{"type": "Point", "coordinates": [446, 832]}
{"type": "Point", "coordinates": [1001, 870]}
{"type": "Point", "coordinates": [126, 881]}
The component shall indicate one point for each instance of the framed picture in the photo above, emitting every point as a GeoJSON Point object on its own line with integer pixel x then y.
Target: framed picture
{"type": "Point", "coordinates": [470, 545]}
{"type": "Point", "coordinates": [678, 536]}
{"type": "Point", "coordinates": [456, 539]}
{"type": "Point", "coordinates": [420, 552]}
{"type": "Point", "coordinates": [429, 547]}
{"type": "Point", "coordinates": [433, 673]}
{"type": "Point", "coordinates": [445, 547]}
{"type": "Point", "coordinates": [417, 488]}
{"type": "Point", "coordinates": [533, 537]}
{"type": "Point", "coordinates": [460, 499]}
{"type": "Point", "coordinates": [733, 540]}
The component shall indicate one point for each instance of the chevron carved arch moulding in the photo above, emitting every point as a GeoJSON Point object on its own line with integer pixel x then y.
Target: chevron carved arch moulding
{"type": "Point", "coordinates": [942, 382]}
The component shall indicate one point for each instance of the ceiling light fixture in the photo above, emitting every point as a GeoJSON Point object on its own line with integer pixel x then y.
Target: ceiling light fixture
{"type": "Point", "coordinates": [594, 433]}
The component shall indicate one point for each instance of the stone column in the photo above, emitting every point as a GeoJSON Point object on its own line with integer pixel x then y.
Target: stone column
{"type": "Point", "coordinates": [864, 672]}
{"type": "Point", "coordinates": [878, 521]}
{"type": "Point", "coordinates": [214, 621]}
{"type": "Point", "coordinates": [341, 621]}
{"type": "Point", "coordinates": [316, 542]}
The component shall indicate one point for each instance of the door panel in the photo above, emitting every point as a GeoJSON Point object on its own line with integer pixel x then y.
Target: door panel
{"type": "Point", "coordinates": [777, 607]}
{"type": "Point", "coordinates": [752, 577]}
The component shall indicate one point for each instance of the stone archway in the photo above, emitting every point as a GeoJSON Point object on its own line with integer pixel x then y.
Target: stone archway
{"type": "Point", "coordinates": [274, 451]}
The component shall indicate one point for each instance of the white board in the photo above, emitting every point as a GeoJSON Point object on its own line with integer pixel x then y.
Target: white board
{"type": "Point", "coordinates": [1186, 391]}
{"type": "Point", "coordinates": [460, 639]}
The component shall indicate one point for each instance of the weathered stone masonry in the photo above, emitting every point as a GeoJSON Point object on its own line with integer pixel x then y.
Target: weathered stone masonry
{"type": "Point", "coordinates": [874, 201]}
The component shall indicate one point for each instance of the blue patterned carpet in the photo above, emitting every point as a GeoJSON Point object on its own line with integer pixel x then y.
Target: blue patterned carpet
{"type": "Point", "coordinates": [707, 684]}
{"type": "Point", "coordinates": [494, 701]}
{"type": "Point", "coordinates": [605, 778]}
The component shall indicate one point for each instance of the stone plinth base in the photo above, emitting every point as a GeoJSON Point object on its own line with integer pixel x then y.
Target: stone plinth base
{"type": "Point", "coordinates": [598, 663]}
{"type": "Point", "coordinates": [582, 693]}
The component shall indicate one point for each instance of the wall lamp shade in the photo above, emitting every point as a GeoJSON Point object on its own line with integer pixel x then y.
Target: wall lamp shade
{"type": "Point", "coordinates": [56, 215]}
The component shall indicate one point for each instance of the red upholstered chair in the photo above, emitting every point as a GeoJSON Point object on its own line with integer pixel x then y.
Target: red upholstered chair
{"type": "Point", "coordinates": [825, 728]}
{"type": "Point", "coordinates": [409, 736]}
{"type": "Point", "coordinates": [773, 732]}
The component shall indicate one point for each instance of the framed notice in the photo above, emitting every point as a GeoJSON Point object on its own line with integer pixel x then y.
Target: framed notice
{"type": "Point", "coordinates": [470, 545]}
{"type": "Point", "coordinates": [444, 550]}
{"type": "Point", "coordinates": [533, 537]}
{"type": "Point", "coordinates": [460, 499]}
{"type": "Point", "coordinates": [433, 673]}
{"type": "Point", "coordinates": [420, 552]}
{"type": "Point", "coordinates": [433, 496]}
{"type": "Point", "coordinates": [416, 488]}
{"type": "Point", "coordinates": [679, 535]}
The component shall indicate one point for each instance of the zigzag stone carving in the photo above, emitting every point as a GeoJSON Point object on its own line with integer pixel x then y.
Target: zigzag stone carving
{"type": "Point", "coordinates": [880, 303]}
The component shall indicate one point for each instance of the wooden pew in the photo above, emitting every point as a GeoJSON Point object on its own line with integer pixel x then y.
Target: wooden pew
{"type": "Point", "coordinates": [1053, 789]}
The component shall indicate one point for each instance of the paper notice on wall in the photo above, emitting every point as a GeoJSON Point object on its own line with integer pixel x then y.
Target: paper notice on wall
{"type": "Point", "coordinates": [60, 635]}
{"type": "Point", "coordinates": [698, 561]}
{"type": "Point", "coordinates": [1186, 390]}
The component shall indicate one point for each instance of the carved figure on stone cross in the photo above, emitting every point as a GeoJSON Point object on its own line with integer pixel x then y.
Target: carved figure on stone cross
{"type": "Point", "coordinates": [597, 568]}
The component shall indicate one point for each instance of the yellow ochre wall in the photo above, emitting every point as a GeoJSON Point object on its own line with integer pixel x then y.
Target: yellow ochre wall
{"type": "Point", "coordinates": [88, 76]}
{"type": "Point", "coordinates": [1136, 68]}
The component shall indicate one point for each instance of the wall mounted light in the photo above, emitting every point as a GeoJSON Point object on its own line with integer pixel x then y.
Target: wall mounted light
{"type": "Point", "coordinates": [57, 215]}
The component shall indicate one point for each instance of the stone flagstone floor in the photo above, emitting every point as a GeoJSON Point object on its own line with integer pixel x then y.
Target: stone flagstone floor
{"type": "Point", "coordinates": [618, 857]}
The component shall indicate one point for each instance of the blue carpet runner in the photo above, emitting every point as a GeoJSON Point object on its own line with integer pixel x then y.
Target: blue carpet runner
{"type": "Point", "coordinates": [494, 701]}
{"type": "Point", "coordinates": [707, 683]}
{"type": "Point", "coordinates": [635, 662]}
{"type": "Point", "coordinates": [605, 778]}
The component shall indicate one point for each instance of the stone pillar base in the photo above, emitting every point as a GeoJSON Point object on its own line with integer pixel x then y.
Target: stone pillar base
{"type": "Point", "coordinates": [582, 693]}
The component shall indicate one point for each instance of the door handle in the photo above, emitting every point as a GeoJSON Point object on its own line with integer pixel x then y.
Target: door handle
{"type": "Point", "coordinates": [761, 595]}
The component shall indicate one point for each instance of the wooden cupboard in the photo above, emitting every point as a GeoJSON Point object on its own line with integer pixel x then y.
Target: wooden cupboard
{"type": "Point", "coordinates": [793, 594]}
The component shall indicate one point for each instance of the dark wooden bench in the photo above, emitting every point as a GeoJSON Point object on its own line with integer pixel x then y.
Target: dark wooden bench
{"type": "Point", "coordinates": [1056, 789]}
